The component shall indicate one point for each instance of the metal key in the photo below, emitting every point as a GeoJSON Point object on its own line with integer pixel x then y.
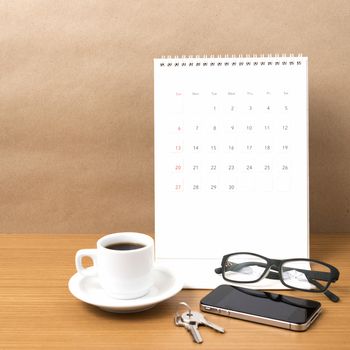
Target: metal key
{"type": "Point", "coordinates": [190, 326]}
{"type": "Point", "coordinates": [199, 319]}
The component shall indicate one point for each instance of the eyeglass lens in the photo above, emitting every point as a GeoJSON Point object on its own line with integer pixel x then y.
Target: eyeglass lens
{"type": "Point", "coordinates": [244, 268]}
{"type": "Point", "coordinates": [303, 274]}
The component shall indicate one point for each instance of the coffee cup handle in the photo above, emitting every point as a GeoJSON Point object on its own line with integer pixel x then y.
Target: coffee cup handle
{"type": "Point", "coordinates": [92, 254]}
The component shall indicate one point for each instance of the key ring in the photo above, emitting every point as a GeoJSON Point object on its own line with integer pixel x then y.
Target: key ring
{"type": "Point", "coordinates": [186, 306]}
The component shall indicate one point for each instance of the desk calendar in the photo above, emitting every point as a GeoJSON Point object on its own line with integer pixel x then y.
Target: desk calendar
{"type": "Point", "coordinates": [231, 161]}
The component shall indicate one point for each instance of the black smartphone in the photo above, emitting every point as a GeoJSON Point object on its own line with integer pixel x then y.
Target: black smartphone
{"type": "Point", "coordinates": [261, 307]}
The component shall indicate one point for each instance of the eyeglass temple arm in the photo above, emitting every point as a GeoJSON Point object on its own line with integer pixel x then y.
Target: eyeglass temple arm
{"type": "Point", "coordinates": [327, 292]}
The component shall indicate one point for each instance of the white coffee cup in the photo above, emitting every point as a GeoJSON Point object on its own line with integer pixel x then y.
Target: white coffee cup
{"type": "Point", "coordinates": [123, 273]}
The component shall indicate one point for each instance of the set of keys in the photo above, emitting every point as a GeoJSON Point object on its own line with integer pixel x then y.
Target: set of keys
{"type": "Point", "coordinates": [190, 320]}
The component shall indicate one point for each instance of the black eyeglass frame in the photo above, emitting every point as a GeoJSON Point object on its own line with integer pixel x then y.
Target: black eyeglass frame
{"type": "Point", "coordinates": [276, 264]}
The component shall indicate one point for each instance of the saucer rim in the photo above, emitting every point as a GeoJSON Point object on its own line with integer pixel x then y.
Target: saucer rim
{"type": "Point", "coordinates": [124, 304]}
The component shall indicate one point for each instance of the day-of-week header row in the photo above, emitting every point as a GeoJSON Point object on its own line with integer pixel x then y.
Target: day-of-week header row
{"type": "Point", "coordinates": [229, 93]}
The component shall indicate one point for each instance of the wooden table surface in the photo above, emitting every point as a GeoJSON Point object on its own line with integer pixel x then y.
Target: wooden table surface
{"type": "Point", "coordinates": [38, 311]}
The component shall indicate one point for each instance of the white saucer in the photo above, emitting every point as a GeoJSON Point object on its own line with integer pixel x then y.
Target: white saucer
{"type": "Point", "coordinates": [88, 289]}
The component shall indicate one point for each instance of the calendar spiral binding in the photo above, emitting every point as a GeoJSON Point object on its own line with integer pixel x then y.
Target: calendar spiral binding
{"type": "Point", "coordinates": [242, 60]}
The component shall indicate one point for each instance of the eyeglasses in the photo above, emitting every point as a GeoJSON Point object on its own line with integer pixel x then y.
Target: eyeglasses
{"type": "Point", "coordinates": [302, 274]}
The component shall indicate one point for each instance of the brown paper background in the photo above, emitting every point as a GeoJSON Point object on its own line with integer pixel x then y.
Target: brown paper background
{"type": "Point", "coordinates": [76, 102]}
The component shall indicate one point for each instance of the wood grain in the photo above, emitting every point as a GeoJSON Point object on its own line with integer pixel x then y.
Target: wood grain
{"type": "Point", "coordinates": [37, 310]}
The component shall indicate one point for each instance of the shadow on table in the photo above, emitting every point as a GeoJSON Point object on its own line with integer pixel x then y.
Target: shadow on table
{"type": "Point", "coordinates": [155, 312]}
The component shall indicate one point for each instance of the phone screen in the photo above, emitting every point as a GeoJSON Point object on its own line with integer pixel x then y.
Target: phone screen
{"type": "Point", "coordinates": [259, 303]}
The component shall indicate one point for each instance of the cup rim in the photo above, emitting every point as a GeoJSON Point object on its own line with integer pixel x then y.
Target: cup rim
{"type": "Point", "coordinates": [134, 237]}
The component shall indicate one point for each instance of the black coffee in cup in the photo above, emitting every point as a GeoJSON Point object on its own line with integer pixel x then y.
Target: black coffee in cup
{"type": "Point", "coordinates": [125, 246]}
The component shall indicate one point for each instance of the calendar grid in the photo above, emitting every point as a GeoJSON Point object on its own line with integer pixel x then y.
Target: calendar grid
{"type": "Point", "coordinates": [231, 155]}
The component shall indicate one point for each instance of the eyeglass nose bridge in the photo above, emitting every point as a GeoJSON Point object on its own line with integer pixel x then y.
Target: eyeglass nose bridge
{"type": "Point", "coordinates": [273, 264]}
{"type": "Point", "coordinates": [276, 263]}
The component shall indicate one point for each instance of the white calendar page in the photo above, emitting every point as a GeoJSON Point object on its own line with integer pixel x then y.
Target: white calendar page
{"type": "Point", "coordinates": [231, 162]}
